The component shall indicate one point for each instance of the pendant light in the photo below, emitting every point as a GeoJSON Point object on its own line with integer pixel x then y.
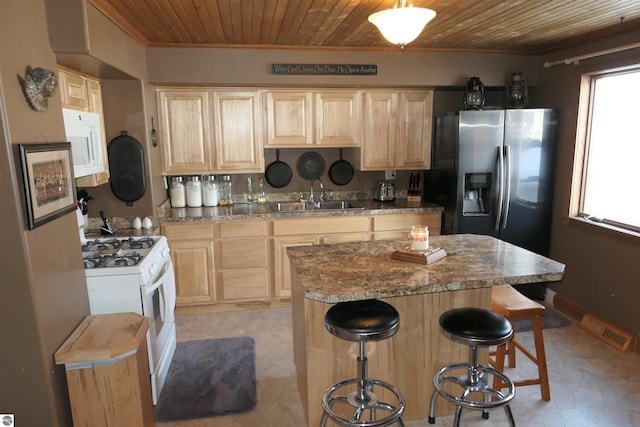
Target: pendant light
{"type": "Point", "coordinates": [402, 24]}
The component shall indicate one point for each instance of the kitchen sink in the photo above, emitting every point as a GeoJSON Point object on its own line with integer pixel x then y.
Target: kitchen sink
{"type": "Point", "coordinates": [310, 206]}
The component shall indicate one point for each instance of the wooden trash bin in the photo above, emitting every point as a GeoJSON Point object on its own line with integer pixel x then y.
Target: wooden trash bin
{"type": "Point", "coordinates": [107, 371]}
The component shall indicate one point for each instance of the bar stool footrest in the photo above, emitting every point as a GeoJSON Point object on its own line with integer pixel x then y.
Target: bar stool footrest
{"type": "Point", "coordinates": [360, 407]}
{"type": "Point", "coordinates": [481, 387]}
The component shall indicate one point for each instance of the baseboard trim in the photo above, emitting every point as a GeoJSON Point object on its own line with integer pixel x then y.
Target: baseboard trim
{"type": "Point", "coordinates": [569, 308]}
{"type": "Point", "coordinates": [576, 312]}
{"type": "Point", "coordinates": [236, 306]}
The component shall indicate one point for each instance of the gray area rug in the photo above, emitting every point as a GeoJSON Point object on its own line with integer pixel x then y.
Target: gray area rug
{"type": "Point", "coordinates": [209, 378]}
{"type": "Point", "coordinates": [552, 319]}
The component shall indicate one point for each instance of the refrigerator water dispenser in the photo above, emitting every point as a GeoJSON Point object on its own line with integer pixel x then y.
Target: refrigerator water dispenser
{"type": "Point", "coordinates": [477, 194]}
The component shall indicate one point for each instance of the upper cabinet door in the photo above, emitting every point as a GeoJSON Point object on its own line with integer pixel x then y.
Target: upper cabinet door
{"type": "Point", "coordinates": [238, 131]}
{"type": "Point", "coordinates": [337, 118]}
{"type": "Point", "coordinates": [380, 116]}
{"type": "Point", "coordinates": [94, 102]}
{"type": "Point", "coordinates": [73, 90]}
{"type": "Point", "coordinates": [414, 148]}
{"type": "Point", "coordinates": [289, 119]}
{"type": "Point", "coordinates": [397, 130]}
{"type": "Point", "coordinates": [186, 130]}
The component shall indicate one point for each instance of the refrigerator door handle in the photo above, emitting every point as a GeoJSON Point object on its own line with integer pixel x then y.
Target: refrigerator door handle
{"type": "Point", "coordinates": [507, 180]}
{"type": "Point", "coordinates": [500, 187]}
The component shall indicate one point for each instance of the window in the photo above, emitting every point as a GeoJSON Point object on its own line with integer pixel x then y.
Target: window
{"type": "Point", "coordinates": [609, 138]}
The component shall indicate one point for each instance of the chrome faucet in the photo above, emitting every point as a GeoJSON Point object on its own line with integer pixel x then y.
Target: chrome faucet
{"type": "Point", "coordinates": [312, 198]}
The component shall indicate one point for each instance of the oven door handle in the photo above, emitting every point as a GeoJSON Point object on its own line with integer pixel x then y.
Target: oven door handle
{"type": "Point", "coordinates": [155, 282]}
{"type": "Point", "coordinates": [165, 277]}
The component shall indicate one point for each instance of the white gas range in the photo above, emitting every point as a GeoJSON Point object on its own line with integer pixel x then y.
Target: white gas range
{"type": "Point", "coordinates": [136, 275]}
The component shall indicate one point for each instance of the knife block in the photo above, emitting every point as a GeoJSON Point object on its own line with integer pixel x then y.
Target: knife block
{"type": "Point", "coordinates": [414, 199]}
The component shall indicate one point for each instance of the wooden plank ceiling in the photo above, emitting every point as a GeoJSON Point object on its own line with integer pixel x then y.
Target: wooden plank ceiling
{"type": "Point", "coordinates": [521, 26]}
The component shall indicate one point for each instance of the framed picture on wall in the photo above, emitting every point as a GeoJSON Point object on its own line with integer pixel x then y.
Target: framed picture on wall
{"type": "Point", "coordinates": [47, 171]}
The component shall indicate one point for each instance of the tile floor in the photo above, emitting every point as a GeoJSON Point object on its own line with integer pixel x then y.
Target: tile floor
{"type": "Point", "coordinates": [592, 384]}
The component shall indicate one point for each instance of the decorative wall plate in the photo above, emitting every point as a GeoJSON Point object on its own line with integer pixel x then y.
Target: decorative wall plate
{"type": "Point", "coordinates": [310, 165]}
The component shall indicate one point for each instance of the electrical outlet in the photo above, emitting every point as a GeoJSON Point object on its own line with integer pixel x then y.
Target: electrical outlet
{"type": "Point", "coordinates": [389, 174]}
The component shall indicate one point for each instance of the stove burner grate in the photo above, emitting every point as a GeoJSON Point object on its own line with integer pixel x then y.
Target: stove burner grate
{"type": "Point", "coordinates": [116, 260]}
{"type": "Point", "coordinates": [110, 244]}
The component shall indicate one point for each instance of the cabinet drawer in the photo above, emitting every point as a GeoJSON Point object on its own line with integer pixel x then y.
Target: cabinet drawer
{"type": "Point", "coordinates": [242, 229]}
{"type": "Point", "coordinates": [246, 283]}
{"type": "Point", "coordinates": [176, 231]}
{"type": "Point", "coordinates": [403, 222]}
{"type": "Point", "coordinates": [318, 225]}
{"type": "Point", "coordinates": [241, 253]}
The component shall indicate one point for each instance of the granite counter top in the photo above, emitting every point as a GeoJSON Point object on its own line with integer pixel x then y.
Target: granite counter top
{"type": "Point", "coordinates": [267, 210]}
{"type": "Point", "coordinates": [363, 270]}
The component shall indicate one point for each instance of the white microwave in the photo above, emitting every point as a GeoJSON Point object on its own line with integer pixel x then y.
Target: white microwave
{"type": "Point", "coordinates": [84, 132]}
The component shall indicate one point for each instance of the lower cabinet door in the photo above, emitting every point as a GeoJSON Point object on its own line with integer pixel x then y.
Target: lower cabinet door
{"type": "Point", "coordinates": [282, 270]}
{"type": "Point", "coordinates": [193, 264]}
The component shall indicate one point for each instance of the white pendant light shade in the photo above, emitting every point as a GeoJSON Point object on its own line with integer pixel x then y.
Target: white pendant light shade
{"type": "Point", "coordinates": [402, 25]}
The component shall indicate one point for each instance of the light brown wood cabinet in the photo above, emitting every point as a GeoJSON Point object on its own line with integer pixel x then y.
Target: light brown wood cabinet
{"type": "Point", "coordinates": [192, 254]}
{"type": "Point", "coordinates": [310, 231]}
{"type": "Point", "coordinates": [397, 226]}
{"type": "Point", "coordinates": [242, 270]}
{"type": "Point", "coordinates": [73, 89]}
{"type": "Point", "coordinates": [231, 263]}
{"type": "Point", "coordinates": [211, 131]}
{"type": "Point", "coordinates": [81, 92]}
{"type": "Point", "coordinates": [327, 118]}
{"type": "Point", "coordinates": [238, 131]}
{"type": "Point", "coordinates": [107, 369]}
{"type": "Point", "coordinates": [396, 130]}
{"type": "Point", "coordinates": [289, 120]}
{"type": "Point", "coordinates": [185, 125]}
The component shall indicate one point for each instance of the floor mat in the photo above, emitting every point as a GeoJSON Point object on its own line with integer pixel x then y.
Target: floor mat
{"type": "Point", "coordinates": [209, 378]}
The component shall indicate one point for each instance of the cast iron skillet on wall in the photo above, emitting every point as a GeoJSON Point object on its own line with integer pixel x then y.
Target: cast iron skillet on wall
{"type": "Point", "coordinates": [126, 167]}
{"type": "Point", "coordinates": [278, 173]}
{"type": "Point", "coordinates": [341, 171]}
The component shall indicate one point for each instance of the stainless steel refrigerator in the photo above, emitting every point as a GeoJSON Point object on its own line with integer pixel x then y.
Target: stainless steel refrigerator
{"type": "Point", "coordinates": [492, 170]}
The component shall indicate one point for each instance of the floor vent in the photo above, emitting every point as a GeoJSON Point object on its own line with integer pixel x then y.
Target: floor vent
{"type": "Point", "coordinates": [609, 334]}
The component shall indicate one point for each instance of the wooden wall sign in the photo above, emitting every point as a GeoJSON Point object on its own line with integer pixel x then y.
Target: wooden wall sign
{"type": "Point", "coordinates": [325, 69]}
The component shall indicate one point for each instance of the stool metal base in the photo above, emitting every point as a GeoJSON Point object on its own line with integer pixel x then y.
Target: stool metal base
{"type": "Point", "coordinates": [362, 401]}
{"type": "Point", "coordinates": [362, 321]}
{"type": "Point", "coordinates": [474, 380]}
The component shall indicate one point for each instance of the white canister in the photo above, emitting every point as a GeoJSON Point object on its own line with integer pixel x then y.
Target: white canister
{"type": "Point", "coordinates": [210, 196]}
{"type": "Point", "coordinates": [147, 224]}
{"type": "Point", "coordinates": [177, 193]}
{"type": "Point", "coordinates": [194, 192]}
{"type": "Point", "coordinates": [137, 223]}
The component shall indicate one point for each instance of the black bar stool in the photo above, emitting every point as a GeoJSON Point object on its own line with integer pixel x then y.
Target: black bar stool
{"type": "Point", "coordinates": [474, 327]}
{"type": "Point", "coordinates": [362, 321]}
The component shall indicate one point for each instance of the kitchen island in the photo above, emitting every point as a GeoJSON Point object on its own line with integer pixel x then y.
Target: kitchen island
{"type": "Point", "coordinates": [326, 274]}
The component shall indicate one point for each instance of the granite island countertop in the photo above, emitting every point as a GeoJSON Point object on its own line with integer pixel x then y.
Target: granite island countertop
{"type": "Point", "coordinates": [363, 270]}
